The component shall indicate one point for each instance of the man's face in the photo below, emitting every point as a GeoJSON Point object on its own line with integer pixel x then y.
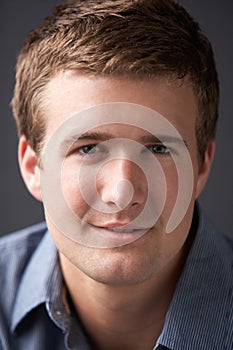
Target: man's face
{"type": "Point", "coordinates": [147, 254]}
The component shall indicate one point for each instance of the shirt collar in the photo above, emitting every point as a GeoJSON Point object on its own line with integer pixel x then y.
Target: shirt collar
{"type": "Point", "coordinates": [198, 314]}
{"type": "Point", "coordinates": [42, 283]}
{"type": "Point", "coordinates": [34, 287]}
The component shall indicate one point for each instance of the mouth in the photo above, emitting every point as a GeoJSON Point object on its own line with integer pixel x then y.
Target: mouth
{"type": "Point", "coordinates": [121, 229]}
{"type": "Point", "coordinates": [112, 235]}
{"type": "Point", "coordinates": [126, 230]}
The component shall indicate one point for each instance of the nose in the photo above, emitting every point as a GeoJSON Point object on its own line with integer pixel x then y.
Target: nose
{"type": "Point", "coordinates": [121, 183]}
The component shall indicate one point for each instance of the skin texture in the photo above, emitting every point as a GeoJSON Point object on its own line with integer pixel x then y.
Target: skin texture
{"type": "Point", "coordinates": [121, 294]}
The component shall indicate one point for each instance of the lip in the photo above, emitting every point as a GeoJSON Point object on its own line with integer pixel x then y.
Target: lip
{"type": "Point", "coordinates": [126, 225]}
{"type": "Point", "coordinates": [112, 237]}
{"type": "Point", "coordinates": [114, 225]}
{"type": "Point", "coordinates": [121, 229]}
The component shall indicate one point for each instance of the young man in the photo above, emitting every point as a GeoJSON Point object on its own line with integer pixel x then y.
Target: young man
{"type": "Point", "coordinates": [116, 104]}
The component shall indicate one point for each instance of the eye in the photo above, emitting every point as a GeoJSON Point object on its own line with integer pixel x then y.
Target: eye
{"type": "Point", "coordinates": [159, 149]}
{"type": "Point", "coordinates": [91, 150]}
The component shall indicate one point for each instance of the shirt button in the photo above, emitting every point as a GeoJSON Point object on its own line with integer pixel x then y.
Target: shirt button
{"type": "Point", "coordinates": [58, 313]}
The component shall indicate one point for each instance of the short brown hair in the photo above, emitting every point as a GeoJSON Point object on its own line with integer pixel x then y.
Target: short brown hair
{"type": "Point", "coordinates": [130, 38]}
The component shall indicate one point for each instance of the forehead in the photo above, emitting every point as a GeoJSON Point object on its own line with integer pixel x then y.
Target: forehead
{"type": "Point", "coordinates": [69, 93]}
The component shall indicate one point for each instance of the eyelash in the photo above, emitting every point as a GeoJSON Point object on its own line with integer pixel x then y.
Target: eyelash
{"type": "Point", "coordinates": [164, 151]}
{"type": "Point", "coordinates": [92, 147]}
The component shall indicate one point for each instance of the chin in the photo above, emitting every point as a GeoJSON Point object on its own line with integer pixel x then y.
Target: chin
{"type": "Point", "coordinates": [120, 266]}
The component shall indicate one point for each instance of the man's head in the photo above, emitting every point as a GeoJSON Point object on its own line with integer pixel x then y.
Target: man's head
{"type": "Point", "coordinates": [90, 53]}
{"type": "Point", "coordinates": [140, 39]}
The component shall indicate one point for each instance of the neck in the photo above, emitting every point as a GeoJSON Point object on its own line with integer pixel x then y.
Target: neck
{"type": "Point", "coordinates": [128, 316]}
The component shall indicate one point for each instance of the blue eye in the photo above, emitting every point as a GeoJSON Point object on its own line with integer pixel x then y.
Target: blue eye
{"type": "Point", "coordinates": [159, 149]}
{"type": "Point", "coordinates": [91, 149]}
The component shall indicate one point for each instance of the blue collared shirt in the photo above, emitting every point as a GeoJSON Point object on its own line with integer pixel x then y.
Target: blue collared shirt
{"type": "Point", "coordinates": [33, 315]}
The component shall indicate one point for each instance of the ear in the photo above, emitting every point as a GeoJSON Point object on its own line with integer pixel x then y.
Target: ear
{"type": "Point", "coordinates": [28, 163]}
{"type": "Point", "coordinates": [205, 168]}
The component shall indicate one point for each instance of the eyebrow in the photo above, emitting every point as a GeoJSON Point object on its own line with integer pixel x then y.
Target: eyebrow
{"type": "Point", "coordinates": [92, 136]}
{"type": "Point", "coordinates": [105, 136]}
{"type": "Point", "coordinates": [163, 138]}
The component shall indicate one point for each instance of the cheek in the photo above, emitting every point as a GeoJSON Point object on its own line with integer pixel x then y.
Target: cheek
{"type": "Point", "coordinates": [172, 185]}
{"type": "Point", "coordinates": [70, 185]}
{"type": "Point", "coordinates": [181, 184]}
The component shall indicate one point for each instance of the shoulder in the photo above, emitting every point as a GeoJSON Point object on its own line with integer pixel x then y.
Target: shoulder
{"type": "Point", "coordinates": [16, 250]}
{"type": "Point", "coordinates": [220, 244]}
{"type": "Point", "coordinates": [211, 279]}
{"type": "Point", "coordinates": [28, 235]}
{"type": "Point", "coordinates": [212, 253]}
{"type": "Point", "coordinates": [201, 310]}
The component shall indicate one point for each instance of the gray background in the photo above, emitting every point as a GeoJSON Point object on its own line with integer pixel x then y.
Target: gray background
{"type": "Point", "coordinates": [17, 208]}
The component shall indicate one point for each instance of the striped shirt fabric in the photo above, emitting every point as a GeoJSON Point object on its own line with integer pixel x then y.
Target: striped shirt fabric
{"type": "Point", "coordinates": [34, 317]}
